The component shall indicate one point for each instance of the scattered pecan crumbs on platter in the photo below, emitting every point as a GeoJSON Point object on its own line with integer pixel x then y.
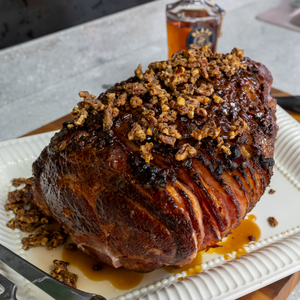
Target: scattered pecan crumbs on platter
{"type": "Point", "coordinates": [272, 221]}
{"type": "Point", "coordinates": [62, 274]}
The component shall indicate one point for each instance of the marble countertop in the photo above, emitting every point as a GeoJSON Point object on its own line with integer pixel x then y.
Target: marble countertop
{"type": "Point", "coordinates": [40, 80]}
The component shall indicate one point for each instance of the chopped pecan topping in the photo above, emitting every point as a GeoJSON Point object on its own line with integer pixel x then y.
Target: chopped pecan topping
{"type": "Point", "coordinates": [139, 72]}
{"type": "Point", "coordinates": [168, 140]}
{"type": "Point", "coordinates": [61, 273]}
{"type": "Point", "coordinates": [27, 216]}
{"type": "Point", "coordinates": [169, 130]}
{"type": "Point", "coordinates": [226, 149]}
{"type": "Point", "coordinates": [146, 152]}
{"type": "Point", "coordinates": [137, 133]}
{"type": "Point", "coordinates": [213, 69]}
{"type": "Point", "coordinates": [115, 112]}
{"type": "Point", "coordinates": [238, 52]}
{"type": "Point", "coordinates": [92, 100]}
{"type": "Point", "coordinates": [153, 100]}
{"type": "Point", "coordinates": [168, 116]}
{"type": "Point", "coordinates": [111, 97]}
{"type": "Point", "coordinates": [18, 181]}
{"type": "Point", "coordinates": [135, 88]}
{"type": "Point", "coordinates": [217, 99]}
{"type": "Point", "coordinates": [17, 196]}
{"type": "Point", "coordinates": [108, 118]}
{"type": "Point", "coordinates": [11, 224]}
{"type": "Point", "coordinates": [205, 90]}
{"type": "Point", "coordinates": [40, 238]}
{"type": "Point", "coordinates": [81, 117]}
{"type": "Point", "coordinates": [180, 101]}
{"type": "Point", "coordinates": [136, 101]}
{"type": "Point", "coordinates": [56, 238]}
{"type": "Point", "coordinates": [43, 237]}
{"type": "Point", "coordinates": [207, 130]}
{"type": "Point", "coordinates": [185, 151]}
{"type": "Point", "coordinates": [165, 107]}
{"type": "Point", "coordinates": [187, 86]}
{"type": "Point", "coordinates": [121, 100]}
{"type": "Point", "coordinates": [238, 128]}
{"type": "Point", "coordinates": [272, 221]}
{"type": "Point", "coordinates": [201, 112]}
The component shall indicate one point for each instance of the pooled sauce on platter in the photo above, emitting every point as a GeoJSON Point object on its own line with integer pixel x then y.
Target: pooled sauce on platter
{"type": "Point", "coordinates": [125, 279]}
{"type": "Point", "coordinates": [120, 278]}
{"type": "Point", "coordinates": [241, 236]}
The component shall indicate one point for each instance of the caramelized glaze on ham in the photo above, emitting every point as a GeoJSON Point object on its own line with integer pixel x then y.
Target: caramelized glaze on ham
{"type": "Point", "coordinates": [145, 208]}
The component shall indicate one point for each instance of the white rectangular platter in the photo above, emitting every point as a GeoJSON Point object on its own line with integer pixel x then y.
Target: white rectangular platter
{"type": "Point", "coordinates": [275, 256]}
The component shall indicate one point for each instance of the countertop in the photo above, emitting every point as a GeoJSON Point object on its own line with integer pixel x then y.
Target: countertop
{"type": "Point", "coordinates": [40, 80]}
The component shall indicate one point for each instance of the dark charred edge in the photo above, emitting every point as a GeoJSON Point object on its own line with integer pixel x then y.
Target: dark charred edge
{"type": "Point", "coordinates": [249, 188]}
{"type": "Point", "coordinates": [243, 179]}
{"type": "Point", "coordinates": [175, 221]}
{"type": "Point", "coordinates": [217, 176]}
{"type": "Point", "coordinates": [250, 174]}
{"type": "Point", "coordinates": [147, 173]}
{"type": "Point", "coordinates": [239, 181]}
{"type": "Point", "coordinates": [259, 170]}
{"type": "Point", "coordinates": [249, 164]}
{"type": "Point", "coordinates": [267, 164]}
{"type": "Point", "coordinates": [189, 208]}
{"type": "Point", "coordinates": [209, 201]}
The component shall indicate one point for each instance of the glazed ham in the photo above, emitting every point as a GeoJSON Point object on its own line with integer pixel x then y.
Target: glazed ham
{"type": "Point", "coordinates": [162, 165]}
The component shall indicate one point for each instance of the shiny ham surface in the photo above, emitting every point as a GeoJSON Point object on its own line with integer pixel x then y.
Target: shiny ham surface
{"type": "Point", "coordinates": [162, 165]}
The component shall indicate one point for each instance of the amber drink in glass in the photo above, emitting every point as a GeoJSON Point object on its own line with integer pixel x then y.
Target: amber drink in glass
{"type": "Point", "coordinates": [193, 24]}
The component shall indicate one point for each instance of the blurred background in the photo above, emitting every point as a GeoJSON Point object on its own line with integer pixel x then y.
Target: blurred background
{"type": "Point", "coordinates": [25, 20]}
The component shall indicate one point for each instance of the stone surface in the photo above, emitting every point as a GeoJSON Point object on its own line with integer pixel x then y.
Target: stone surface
{"type": "Point", "coordinates": [40, 80]}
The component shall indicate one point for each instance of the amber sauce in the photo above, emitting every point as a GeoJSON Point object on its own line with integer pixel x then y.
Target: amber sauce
{"type": "Point", "coordinates": [233, 243]}
{"type": "Point", "coordinates": [190, 269]}
{"type": "Point", "coordinates": [239, 239]}
{"type": "Point", "coordinates": [120, 278]}
{"type": "Point", "coordinates": [179, 30]}
{"type": "Point", "coordinates": [124, 279]}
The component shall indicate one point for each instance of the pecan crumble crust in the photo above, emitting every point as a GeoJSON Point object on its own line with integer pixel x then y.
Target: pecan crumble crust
{"type": "Point", "coordinates": [190, 86]}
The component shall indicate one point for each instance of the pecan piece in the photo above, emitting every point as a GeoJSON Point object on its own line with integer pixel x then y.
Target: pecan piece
{"type": "Point", "coordinates": [146, 152]}
{"type": "Point", "coordinates": [135, 88]}
{"type": "Point", "coordinates": [136, 101]}
{"type": "Point", "coordinates": [81, 117]}
{"type": "Point", "coordinates": [185, 151]}
{"type": "Point", "coordinates": [205, 90]}
{"type": "Point", "coordinates": [16, 182]}
{"type": "Point", "coordinates": [61, 273]}
{"type": "Point", "coordinates": [121, 100]}
{"type": "Point", "coordinates": [272, 221]}
{"type": "Point", "coordinates": [108, 118]}
{"type": "Point", "coordinates": [92, 100]}
{"type": "Point", "coordinates": [137, 133]}
{"type": "Point", "coordinates": [139, 72]}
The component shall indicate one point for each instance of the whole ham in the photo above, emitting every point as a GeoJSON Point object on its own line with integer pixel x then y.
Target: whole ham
{"type": "Point", "coordinates": [164, 164]}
